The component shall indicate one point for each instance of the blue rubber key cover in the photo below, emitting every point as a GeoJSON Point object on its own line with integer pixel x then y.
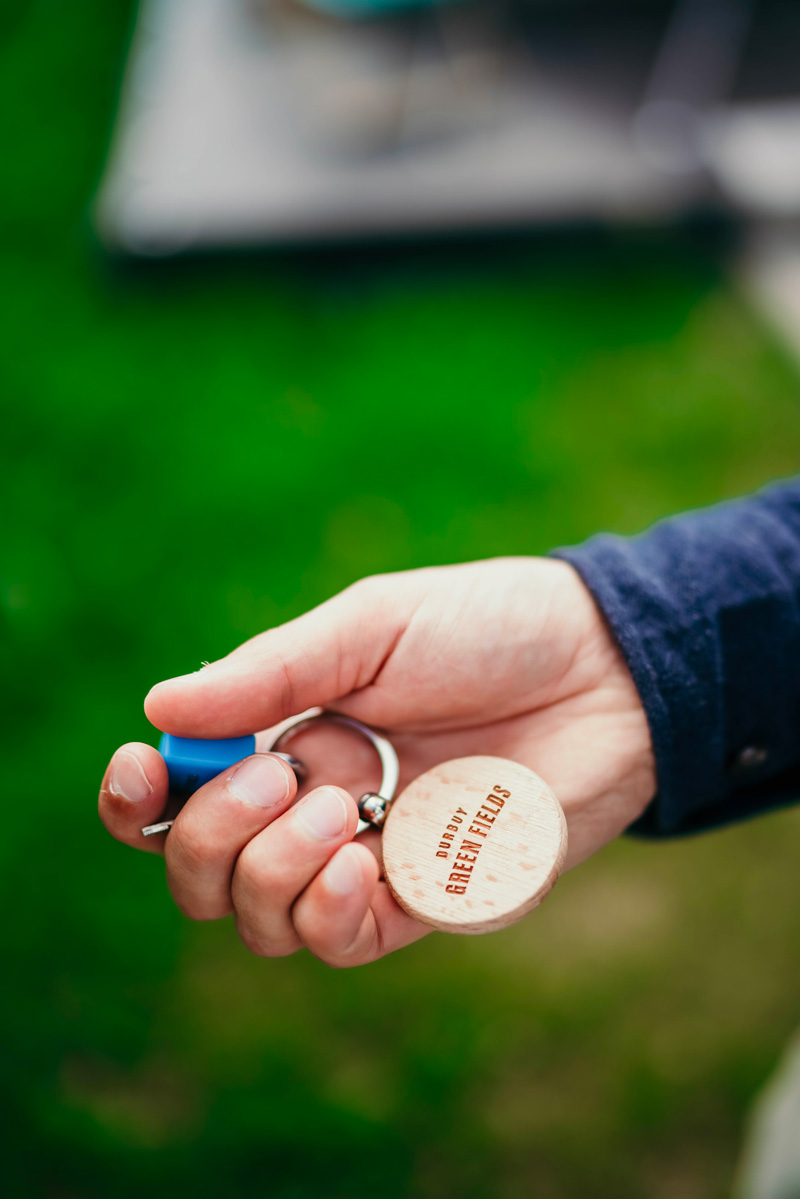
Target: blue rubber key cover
{"type": "Point", "coordinates": [191, 763]}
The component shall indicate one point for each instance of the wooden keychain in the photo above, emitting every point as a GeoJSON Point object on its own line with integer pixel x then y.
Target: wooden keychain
{"type": "Point", "coordinates": [468, 847]}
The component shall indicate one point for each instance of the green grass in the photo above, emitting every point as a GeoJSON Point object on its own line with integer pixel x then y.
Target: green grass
{"type": "Point", "coordinates": [190, 454]}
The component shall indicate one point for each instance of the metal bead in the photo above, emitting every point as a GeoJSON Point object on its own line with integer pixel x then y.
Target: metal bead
{"type": "Point", "coordinates": [373, 809]}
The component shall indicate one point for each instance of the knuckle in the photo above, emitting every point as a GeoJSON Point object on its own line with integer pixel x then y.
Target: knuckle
{"type": "Point", "coordinates": [264, 945]}
{"type": "Point", "coordinates": [366, 586]}
{"type": "Point", "coordinates": [343, 961]}
{"type": "Point", "coordinates": [360, 952]}
{"type": "Point", "coordinates": [382, 599]}
{"type": "Point", "coordinates": [195, 909]}
{"type": "Point", "coordinates": [189, 845]}
{"type": "Point", "coordinates": [255, 869]}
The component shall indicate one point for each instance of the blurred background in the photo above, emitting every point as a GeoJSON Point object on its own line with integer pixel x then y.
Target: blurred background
{"type": "Point", "coordinates": [197, 445]}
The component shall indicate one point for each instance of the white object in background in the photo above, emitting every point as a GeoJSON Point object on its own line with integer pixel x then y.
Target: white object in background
{"type": "Point", "coordinates": [770, 273]}
{"type": "Point", "coordinates": [754, 151]}
{"type": "Point", "coordinates": [220, 143]}
{"type": "Point", "coordinates": [770, 1167]}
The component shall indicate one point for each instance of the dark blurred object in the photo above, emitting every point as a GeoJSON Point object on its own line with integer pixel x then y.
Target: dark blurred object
{"type": "Point", "coordinates": [258, 122]}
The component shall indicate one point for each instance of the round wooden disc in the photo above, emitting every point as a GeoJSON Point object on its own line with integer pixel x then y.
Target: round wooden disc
{"type": "Point", "coordinates": [474, 844]}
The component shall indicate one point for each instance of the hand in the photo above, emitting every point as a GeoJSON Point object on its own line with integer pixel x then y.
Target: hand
{"type": "Point", "coordinates": [508, 657]}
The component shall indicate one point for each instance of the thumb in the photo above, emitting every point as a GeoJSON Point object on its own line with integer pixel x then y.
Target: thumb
{"type": "Point", "coordinates": [322, 656]}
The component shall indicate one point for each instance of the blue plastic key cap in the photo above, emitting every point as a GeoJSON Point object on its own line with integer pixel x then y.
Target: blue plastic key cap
{"type": "Point", "coordinates": [192, 763]}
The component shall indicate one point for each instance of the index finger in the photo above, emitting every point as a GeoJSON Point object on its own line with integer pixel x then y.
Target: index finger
{"type": "Point", "coordinates": [134, 794]}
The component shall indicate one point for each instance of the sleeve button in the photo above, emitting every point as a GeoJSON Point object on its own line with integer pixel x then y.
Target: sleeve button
{"type": "Point", "coordinates": [749, 758]}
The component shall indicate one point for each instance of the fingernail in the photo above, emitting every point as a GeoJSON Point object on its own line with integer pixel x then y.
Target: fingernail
{"type": "Point", "coordinates": [324, 813]}
{"type": "Point", "coordinates": [343, 874]}
{"type": "Point", "coordinates": [128, 778]}
{"type": "Point", "coordinates": [261, 781]}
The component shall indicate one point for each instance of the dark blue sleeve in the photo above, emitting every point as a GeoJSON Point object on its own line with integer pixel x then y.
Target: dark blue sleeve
{"type": "Point", "coordinates": [706, 609]}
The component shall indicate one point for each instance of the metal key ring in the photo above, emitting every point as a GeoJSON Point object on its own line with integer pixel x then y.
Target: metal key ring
{"type": "Point", "coordinates": [373, 807]}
